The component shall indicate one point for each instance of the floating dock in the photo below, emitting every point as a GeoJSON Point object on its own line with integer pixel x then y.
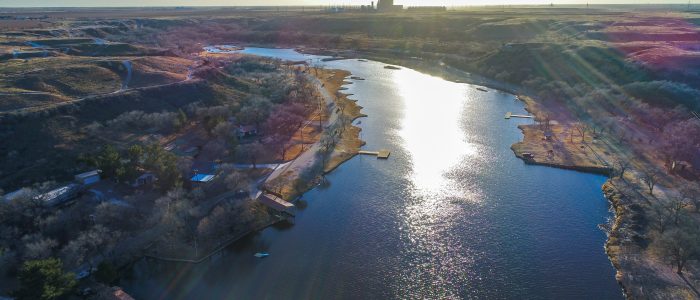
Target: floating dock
{"type": "Point", "coordinates": [511, 115]}
{"type": "Point", "coordinates": [383, 154]}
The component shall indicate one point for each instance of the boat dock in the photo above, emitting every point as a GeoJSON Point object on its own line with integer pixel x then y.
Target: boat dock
{"type": "Point", "coordinates": [511, 115]}
{"type": "Point", "coordinates": [383, 154]}
{"type": "Point", "coordinates": [277, 203]}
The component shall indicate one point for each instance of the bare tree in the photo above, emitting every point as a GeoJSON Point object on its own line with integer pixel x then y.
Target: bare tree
{"type": "Point", "coordinates": [678, 246]}
{"type": "Point", "coordinates": [96, 241]}
{"type": "Point", "coordinates": [662, 216]}
{"type": "Point", "coordinates": [328, 142]}
{"type": "Point", "coordinates": [582, 129]}
{"type": "Point", "coordinates": [38, 247]}
{"type": "Point", "coordinates": [571, 134]}
{"type": "Point", "coordinates": [251, 152]}
{"type": "Point", "coordinates": [544, 122]}
{"type": "Point", "coordinates": [650, 178]}
{"type": "Point", "coordinates": [237, 181]}
{"type": "Point", "coordinates": [677, 207]}
{"type": "Point", "coordinates": [621, 165]}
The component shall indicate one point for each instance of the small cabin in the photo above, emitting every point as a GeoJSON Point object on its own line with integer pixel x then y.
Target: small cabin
{"type": "Point", "coordinates": [88, 178]}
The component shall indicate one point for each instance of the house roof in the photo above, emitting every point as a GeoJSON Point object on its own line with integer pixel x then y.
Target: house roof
{"type": "Point", "coordinates": [64, 191]}
{"type": "Point", "coordinates": [88, 174]}
{"type": "Point", "coordinates": [202, 178]}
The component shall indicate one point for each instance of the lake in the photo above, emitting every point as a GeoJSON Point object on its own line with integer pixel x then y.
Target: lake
{"type": "Point", "coordinates": [451, 214]}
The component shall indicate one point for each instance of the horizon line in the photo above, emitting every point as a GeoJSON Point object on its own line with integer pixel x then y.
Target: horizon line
{"type": "Point", "coordinates": [352, 5]}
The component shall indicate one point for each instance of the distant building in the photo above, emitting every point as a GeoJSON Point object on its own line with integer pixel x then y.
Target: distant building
{"type": "Point", "coordinates": [88, 178]}
{"type": "Point", "coordinates": [388, 5]}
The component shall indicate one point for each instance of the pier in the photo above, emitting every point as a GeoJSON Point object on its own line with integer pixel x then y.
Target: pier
{"type": "Point", "coordinates": [277, 203]}
{"type": "Point", "coordinates": [511, 115]}
{"type": "Point", "coordinates": [383, 154]}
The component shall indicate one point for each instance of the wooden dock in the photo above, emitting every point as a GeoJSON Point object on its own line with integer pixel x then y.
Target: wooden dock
{"type": "Point", "coordinates": [511, 115]}
{"type": "Point", "coordinates": [277, 203]}
{"type": "Point", "coordinates": [383, 154]}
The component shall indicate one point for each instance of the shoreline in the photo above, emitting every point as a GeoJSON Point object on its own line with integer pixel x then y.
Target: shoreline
{"type": "Point", "coordinates": [216, 250]}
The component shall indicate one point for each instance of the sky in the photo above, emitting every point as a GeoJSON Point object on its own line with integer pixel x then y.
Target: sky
{"type": "Point", "coordinates": [73, 3]}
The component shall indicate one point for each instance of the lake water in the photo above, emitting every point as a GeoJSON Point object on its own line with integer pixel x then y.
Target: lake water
{"type": "Point", "coordinates": [452, 214]}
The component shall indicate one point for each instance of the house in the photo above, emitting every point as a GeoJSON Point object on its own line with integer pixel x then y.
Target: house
{"type": "Point", "coordinates": [246, 131]}
{"type": "Point", "coordinates": [202, 178]}
{"type": "Point", "coordinates": [60, 195]}
{"type": "Point", "coordinates": [88, 178]}
{"type": "Point", "coordinates": [145, 179]}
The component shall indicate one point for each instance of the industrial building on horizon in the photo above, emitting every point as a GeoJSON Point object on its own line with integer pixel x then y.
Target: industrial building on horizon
{"type": "Point", "coordinates": [388, 5]}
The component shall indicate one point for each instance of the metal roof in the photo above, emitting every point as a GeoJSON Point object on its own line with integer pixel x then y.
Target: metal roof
{"type": "Point", "coordinates": [202, 178]}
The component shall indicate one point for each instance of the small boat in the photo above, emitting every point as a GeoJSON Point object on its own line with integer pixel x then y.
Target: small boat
{"type": "Point", "coordinates": [362, 60]}
{"type": "Point", "coordinates": [357, 78]}
{"type": "Point", "coordinates": [392, 67]}
{"type": "Point", "coordinates": [261, 254]}
{"type": "Point", "coordinates": [482, 89]}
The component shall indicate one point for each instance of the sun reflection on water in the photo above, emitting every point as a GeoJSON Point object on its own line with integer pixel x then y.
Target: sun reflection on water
{"type": "Point", "coordinates": [436, 143]}
{"type": "Point", "coordinates": [431, 132]}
